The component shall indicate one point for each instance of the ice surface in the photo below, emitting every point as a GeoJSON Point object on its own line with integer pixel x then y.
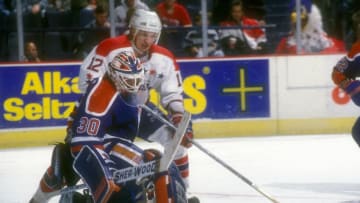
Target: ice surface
{"type": "Point", "coordinates": [292, 169]}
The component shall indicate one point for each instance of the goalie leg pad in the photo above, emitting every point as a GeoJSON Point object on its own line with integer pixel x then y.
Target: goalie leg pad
{"type": "Point", "coordinates": [97, 179]}
{"type": "Point", "coordinates": [178, 186]}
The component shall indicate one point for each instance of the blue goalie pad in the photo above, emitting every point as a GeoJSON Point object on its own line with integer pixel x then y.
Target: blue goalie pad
{"type": "Point", "coordinates": [177, 185]}
{"type": "Point", "coordinates": [92, 170]}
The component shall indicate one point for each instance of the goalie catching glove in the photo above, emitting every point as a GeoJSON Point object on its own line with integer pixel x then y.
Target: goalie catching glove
{"type": "Point", "coordinates": [186, 141]}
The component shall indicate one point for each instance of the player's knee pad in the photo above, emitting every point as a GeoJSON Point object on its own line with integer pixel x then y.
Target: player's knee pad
{"type": "Point", "coordinates": [182, 163]}
{"type": "Point", "coordinates": [356, 131]}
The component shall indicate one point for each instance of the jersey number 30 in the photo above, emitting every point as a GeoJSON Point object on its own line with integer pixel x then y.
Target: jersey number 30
{"type": "Point", "coordinates": [89, 126]}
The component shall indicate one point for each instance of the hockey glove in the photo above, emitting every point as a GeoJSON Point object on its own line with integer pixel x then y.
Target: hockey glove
{"type": "Point", "coordinates": [189, 135]}
{"type": "Point", "coordinates": [353, 90]}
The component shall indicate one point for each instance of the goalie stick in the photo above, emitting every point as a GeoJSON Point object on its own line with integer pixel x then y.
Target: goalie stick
{"type": "Point", "coordinates": [135, 172]}
{"type": "Point", "coordinates": [246, 180]}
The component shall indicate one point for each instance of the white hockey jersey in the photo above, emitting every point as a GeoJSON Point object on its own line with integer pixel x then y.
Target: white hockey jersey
{"type": "Point", "coordinates": [161, 70]}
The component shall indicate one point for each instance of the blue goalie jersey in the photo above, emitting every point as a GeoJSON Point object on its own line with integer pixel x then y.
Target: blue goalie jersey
{"type": "Point", "coordinates": [103, 114]}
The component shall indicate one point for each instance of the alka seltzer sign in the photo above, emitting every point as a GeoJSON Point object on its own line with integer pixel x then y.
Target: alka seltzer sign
{"type": "Point", "coordinates": [37, 96]}
{"type": "Point", "coordinates": [44, 95]}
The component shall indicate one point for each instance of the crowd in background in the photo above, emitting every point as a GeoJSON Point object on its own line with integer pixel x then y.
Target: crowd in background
{"type": "Point", "coordinates": [68, 29]}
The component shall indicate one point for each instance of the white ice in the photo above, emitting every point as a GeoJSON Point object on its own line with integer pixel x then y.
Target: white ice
{"type": "Point", "coordinates": [291, 169]}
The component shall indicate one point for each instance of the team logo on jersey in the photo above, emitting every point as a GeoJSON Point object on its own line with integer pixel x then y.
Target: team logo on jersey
{"type": "Point", "coordinates": [342, 65]}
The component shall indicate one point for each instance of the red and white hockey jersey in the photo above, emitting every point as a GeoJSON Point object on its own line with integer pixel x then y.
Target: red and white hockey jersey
{"type": "Point", "coordinates": [161, 70]}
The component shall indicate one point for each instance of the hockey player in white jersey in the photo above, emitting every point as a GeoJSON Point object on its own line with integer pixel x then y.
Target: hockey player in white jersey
{"type": "Point", "coordinates": [161, 72]}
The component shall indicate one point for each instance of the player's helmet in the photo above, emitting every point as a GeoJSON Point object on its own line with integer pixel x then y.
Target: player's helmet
{"type": "Point", "coordinates": [126, 71]}
{"type": "Point", "coordinates": [147, 21]}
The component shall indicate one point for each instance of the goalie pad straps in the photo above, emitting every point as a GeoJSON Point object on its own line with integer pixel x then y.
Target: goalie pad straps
{"type": "Point", "coordinates": [163, 190]}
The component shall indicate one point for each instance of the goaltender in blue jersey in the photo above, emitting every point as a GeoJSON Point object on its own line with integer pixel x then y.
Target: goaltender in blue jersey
{"type": "Point", "coordinates": [105, 125]}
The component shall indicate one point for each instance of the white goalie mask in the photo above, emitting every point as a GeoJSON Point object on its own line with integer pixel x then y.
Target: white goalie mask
{"type": "Point", "coordinates": [147, 21]}
{"type": "Point", "coordinates": [126, 72]}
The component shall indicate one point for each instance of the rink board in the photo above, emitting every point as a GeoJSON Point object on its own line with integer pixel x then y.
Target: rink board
{"type": "Point", "coordinates": [203, 129]}
{"type": "Point", "coordinates": [247, 96]}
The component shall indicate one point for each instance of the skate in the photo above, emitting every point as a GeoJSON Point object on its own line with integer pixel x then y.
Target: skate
{"type": "Point", "coordinates": [193, 200]}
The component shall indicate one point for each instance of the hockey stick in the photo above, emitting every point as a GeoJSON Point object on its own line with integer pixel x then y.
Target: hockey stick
{"type": "Point", "coordinates": [146, 169]}
{"type": "Point", "coordinates": [246, 180]}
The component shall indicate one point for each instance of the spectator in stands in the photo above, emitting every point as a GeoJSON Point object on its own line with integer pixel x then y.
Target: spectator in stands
{"type": "Point", "coordinates": [255, 9]}
{"type": "Point", "coordinates": [220, 10]}
{"type": "Point", "coordinates": [96, 31]}
{"type": "Point", "coordinates": [4, 8]}
{"type": "Point", "coordinates": [352, 34]}
{"type": "Point", "coordinates": [91, 5]}
{"type": "Point", "coordinates": [194, 40]}
{"type": "Point", "coordinates": [33, 14]}
{"type": "Point", "coordinates": [313, 37]}
{"type": "Point", "coordinates": [77, 4]}
{"type": "Point", "coordinates": [193, 7]}
{"type": "Point", "coordinates": [78, 15]}
{"type": "Point", "coordinates": [57, 5]}
{"type": "Point", "coordinates": [123, 14]}
{"type": "Point", "coordinates": [245, 39]}
{"type": "Point", "coordinates": [31, 52]}
{"type": "Point", "coordinates": [342, 26]}
{"type": "Point", "coordinates": [172, 13]}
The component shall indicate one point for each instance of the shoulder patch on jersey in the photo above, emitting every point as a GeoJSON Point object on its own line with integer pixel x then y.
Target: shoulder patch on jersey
{"type": "Point", "coordinates": [108, 45]}
{"type": "Point", "coordinates": [342, 65]}
{"type": "Point", "coordinates": [101, 97]}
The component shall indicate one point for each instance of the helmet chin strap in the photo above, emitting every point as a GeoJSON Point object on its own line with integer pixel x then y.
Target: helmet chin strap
{"type": "Point", "coordinates": [142, 55]}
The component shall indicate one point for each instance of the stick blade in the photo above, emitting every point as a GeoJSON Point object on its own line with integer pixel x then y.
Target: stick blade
{"type": "Point", "coordinates": [168, 157]}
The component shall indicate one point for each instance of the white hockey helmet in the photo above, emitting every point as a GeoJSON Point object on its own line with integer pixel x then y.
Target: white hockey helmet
{"type": "Point", "coordinates": [147, 21]}
{"type": "Point", "coordinates": [126, 71]}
